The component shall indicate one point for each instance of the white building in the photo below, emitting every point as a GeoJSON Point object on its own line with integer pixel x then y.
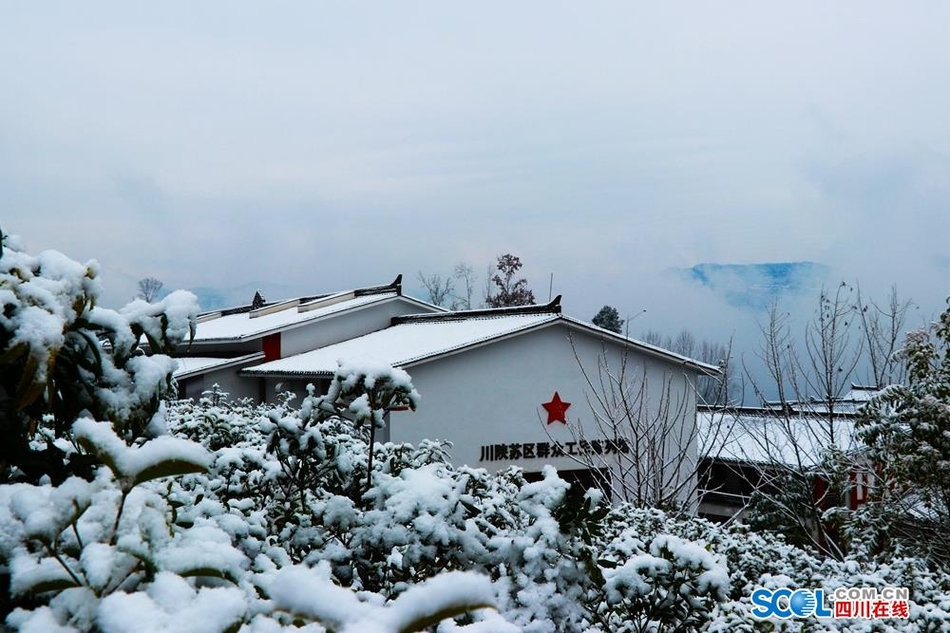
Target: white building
{"type": "Point", "coordinates": [526, 386]}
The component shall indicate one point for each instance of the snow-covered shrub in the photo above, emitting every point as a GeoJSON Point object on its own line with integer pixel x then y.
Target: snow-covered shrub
{"type": "Point", "coordinates": [62, 356]}
{"type": "Point", "coordinates": [673, 584]}
{"type": "Point", "coordinates": [77, 548]}
{"type": "Point", "coordinates": [658, 571]}
{"type": "Point", "coordinates": [907, 432]}
{"type": "Point", "coordinates": [133, 550]}
{"type": "Point", "coordinates": [296, 476]}
{"type": "Point", "coordinates": [365, 394]}
{"type": "Point", "coordinates": [560, 559]}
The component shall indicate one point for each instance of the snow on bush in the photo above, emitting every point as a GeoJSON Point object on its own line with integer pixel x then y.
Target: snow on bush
{"type": "Point", "coordinates": [135, 550]}
{"type": "Point", "coordinates": [63, 356]}
{"type": "Point", "coordinates": [559, 558]}
{"type": "Point", "coordinates": [676, 582]}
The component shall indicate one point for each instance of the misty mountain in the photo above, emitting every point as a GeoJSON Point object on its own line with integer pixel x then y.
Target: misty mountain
{"type": "Point", "coordinates": [755, 286]}
{"type": "Point", "coordinates": [218, 298]}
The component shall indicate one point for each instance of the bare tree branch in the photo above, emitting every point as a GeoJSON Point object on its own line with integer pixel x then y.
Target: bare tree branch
{"type": "Point", "coordinates": [150, 289]}
{"type": "Point", "coordinates": [798, 454]}
{"type": "Point", "coordinates": [466, 274]}
{"type": "Point", "coordinates": [883, 330]}
{"type": "Point", "coordinates": [656, 425]}
{"type": "Point", "coordinates": [438, 289]}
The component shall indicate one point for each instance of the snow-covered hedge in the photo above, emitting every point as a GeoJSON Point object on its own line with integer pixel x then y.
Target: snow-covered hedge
{"type": "Point", "coordinates": [287, 485]}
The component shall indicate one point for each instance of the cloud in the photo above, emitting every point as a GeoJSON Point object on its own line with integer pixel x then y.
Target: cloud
{"type": "Point", "coordinates": [884, 214]}
{"type": "Point", "coordinates": [317, 147]}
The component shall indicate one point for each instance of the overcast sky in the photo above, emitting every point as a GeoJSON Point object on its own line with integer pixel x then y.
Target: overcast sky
{"type": "Point", "coordinates": [326, 145]}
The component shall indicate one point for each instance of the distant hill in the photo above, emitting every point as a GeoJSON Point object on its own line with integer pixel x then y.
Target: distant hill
{"type": "Point", "coordinates": [755, 286]}
{"type": "Point", "coordinates": [210, 298]}
{"type": "Point", "coordinates": [217, 298]}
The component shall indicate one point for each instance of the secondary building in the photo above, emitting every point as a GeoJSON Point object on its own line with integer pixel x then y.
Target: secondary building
{"type": "Point", "coordinates": [751, 449]}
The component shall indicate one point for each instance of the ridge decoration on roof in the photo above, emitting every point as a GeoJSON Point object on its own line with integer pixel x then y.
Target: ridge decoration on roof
{"type": "Point", "coordinates": [395, 286]}
{"type": "Point", "coordinates": [552, 307]}
{"type": "Point", "coordinates": [259, 302]}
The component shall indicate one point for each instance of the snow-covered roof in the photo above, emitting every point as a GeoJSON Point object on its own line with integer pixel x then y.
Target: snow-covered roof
{"type": "Point", "coordinates": [260, 319]}
{"type": "Point", "coordinates": [282, 316]}
{"type": "Point", "coordinates": [763, 437]}
{"type": "Point", "coordinates": [422, 337]}
{"type": "Point", "coordinates": [405, 343]}
{"type": "Point", "coordinates": [848, 404]}
{"type": "Point", "coordinates": [193, 365]}
{"type": "Point", "coordinates": [861, 393]}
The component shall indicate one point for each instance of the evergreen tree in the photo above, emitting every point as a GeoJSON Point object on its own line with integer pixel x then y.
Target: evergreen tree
{"type": "Point", "coordinates": [609, 319]}
{"type": "Point", "coordinates": [907, 428]}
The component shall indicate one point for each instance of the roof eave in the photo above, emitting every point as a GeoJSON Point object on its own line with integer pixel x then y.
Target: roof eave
{"type": "Point", "coordinates": [553, 307]}
{"type": "Point", "coordinates": [252, 373]}
{"type": "Point", "coordinates": [249, 358]}
{"type": "Point", "coordinates": [650, 350]}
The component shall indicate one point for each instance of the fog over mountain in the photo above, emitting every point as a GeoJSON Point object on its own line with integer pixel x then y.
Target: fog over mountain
{"type": "Point", "coordinates": [756, 286]}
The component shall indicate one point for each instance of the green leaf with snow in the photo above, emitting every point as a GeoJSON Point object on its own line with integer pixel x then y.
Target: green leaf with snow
{"type": "Point", "coordinates": [457, 609]}
{"type": "Point", "coordinates": [161, 457]}
{"type": "Point", "coordinates": [208, 572]}
{"type": "Point", "coordinates": [49, 584]}
{"type": "Point", "coordinates": [54, 367]}
{"type": "Point", "coordinates": [170, 468]}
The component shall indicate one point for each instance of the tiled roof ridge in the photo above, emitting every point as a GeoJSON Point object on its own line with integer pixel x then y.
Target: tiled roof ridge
{"type": "Point", "coordinates": [552, 307]}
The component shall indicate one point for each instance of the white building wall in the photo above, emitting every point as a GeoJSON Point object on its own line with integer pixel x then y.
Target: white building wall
{"type": "Point", "coordinates": [202, 348]}
{"type": "Point", "coordinates": [493, 395]}
{"type": "Point", "coordinates": [227, 379]}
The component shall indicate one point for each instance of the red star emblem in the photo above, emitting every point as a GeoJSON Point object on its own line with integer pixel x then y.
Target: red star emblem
{"type": "Point", "coordinates": [556, 409]}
